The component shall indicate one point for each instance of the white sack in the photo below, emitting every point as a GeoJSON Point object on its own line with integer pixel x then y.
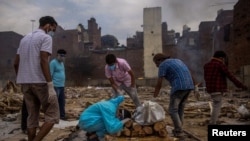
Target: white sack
{"type": "Point", "coordinates": [150, 113]}
{"type": "Point", "coordinates": [243, 111]}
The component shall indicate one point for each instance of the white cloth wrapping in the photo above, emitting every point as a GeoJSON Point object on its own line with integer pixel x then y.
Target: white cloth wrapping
{"type": "Point", "coordinates": [149, 113]}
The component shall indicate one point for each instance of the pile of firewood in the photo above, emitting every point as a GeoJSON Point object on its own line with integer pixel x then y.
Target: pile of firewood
{"type": "Point", "coordinates": [133, 129]}
{"type": "Point", "coordinates": [11, 99]}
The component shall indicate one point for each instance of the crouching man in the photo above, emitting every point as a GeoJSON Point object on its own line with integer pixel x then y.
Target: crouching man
{"type": "Point", "coordinates": [102, 118]}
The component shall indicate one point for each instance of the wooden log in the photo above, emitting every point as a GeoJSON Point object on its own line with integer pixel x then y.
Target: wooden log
{"type": "Point", "coordinates": [163, 132]}
{"type": "Point", "coordinates": [126, 132]}
{"type": "Point", "coordinates": [129, 124]}
{"type": "Point", "coordinates": [134, 133]}
{"type": "Point", "coordinates": [191, 109]}
{"type": "Point", "coordinates": [148, 130]}
{"type": "Point", "coordinates": [136, 126]}
{"type": "Point", "coordinates": [3, 104]}
{"type": "Point", "coordinates": [141, 133]}
{"type": "Point", "coordinates": [118, 134]}
{"type": "Point", "coordinates": [15, 101]}
{"type": "Point", "coordinates": [109, 137]}
{"type": "Point", "coordinates": [159, 125]}
{"type": "Point", "coordinates": [88, 103]}
{"type": "Point", "coordinates": [13, 108]}
{"type": "Point", "coordinates": [129, 104]}
{"type": "Point", "coordinates": [191, 112]}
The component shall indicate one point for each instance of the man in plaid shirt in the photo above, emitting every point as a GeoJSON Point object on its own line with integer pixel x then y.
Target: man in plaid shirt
{"type": "Point", "coordinates": [215, 75]}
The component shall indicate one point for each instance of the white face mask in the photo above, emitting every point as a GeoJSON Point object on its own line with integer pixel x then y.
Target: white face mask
{"type": "Point", "coordinates": [61, 57]}
{"type": "Point", "coordinates": [51, 33]}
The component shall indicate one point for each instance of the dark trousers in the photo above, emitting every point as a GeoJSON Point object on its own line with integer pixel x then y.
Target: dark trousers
{"type": "Point", "coordinates": [176, 108]}
{"type": "Point", "coordinates": [61, 100]}
{"type": "Point", "coordinates": [24, 116]}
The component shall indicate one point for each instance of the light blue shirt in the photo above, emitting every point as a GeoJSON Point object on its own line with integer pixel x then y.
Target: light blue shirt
{"type": "Point", "coordinates": [57, 72]}
{"type": "Point", "coordinates": [177, 73]}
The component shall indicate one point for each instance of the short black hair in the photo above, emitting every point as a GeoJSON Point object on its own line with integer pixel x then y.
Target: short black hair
{"type": "Point", "coordinates": [61, 51]}
{"type": "Point", "coordinates": [160, 57]}
{"type": "Point", "coordinates": [47, 20]}
{"type": "Point", "coordinates": [110, 59]}
{"type": "Point", "coordinates": [219, 54]}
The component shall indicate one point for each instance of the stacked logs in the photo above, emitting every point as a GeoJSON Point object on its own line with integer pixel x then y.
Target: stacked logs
{"type": "Point", "coordinates": [133, 129]}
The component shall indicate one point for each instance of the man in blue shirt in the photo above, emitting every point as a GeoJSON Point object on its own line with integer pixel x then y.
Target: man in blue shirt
{"type": "Point", "coordinates": [180, 79]}
{"type": "Point", "coordinates": [57, 72]}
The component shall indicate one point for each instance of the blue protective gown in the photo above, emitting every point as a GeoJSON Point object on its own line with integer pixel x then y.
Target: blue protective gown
{"type": "Point", "coordinates": [101, 117]}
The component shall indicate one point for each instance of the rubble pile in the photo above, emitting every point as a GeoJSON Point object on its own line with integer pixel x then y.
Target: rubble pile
{"type": "Point", "coordinates": [10, 99]}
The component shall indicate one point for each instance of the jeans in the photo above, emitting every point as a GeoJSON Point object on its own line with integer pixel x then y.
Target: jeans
{"type": "Point", "coordinates": [132, 92]}
{"type": "Point", "coordinates": [216, 107]}
{"type": "Point", "coordinates": [61, 100]}
{"type": "Point", "coordinates": [176, 108]}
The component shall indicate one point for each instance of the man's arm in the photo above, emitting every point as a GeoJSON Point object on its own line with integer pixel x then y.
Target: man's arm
{"type": "Point", "coordinates": [113, 85]}
{"type": "Point", "coordinates": [44, 56]}
{"type": "Point", "coordinates": [158, 86]}
{"type": "Point", "coordinates": [16, 63]}
{"type": "Point", "coordinates": [51, 68]}
{"type": "Point", "coordinates": [131, 73]}
{"type": "Point", "coordinates": [232, 78]}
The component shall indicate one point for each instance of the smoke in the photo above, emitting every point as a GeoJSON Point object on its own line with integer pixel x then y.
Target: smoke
{"type": "Point", "coordinates": [191, 12]}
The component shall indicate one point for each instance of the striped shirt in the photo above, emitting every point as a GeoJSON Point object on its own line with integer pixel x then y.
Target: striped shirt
{"type": "Point", "coordinates": [177, 73]}
{"type": "Point", "coordinates": [29, 70]}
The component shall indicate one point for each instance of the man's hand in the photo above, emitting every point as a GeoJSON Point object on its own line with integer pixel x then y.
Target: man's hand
{"type": "Point", "coordinates": [197, 95]}
{"type": "Point", "coordinates": [125, 120]}
{"type": "Point", "coordinates": [52, 93]}
{"type": "Point", "coordinates": [133, 89]}
{"type": "Point", "coordinates": [196, 92]}
{"type": "Point", "coordinates": [120, 92]}
{"type": "Point", "coordinates": [245, 88]}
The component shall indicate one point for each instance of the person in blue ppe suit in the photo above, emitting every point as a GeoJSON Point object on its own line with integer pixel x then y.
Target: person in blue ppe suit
{"type": "Point", "coordinates": [102, 118]}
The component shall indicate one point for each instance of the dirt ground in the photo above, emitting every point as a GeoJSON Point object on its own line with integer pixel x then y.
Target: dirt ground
{"type": "Point", "coordinates": [197, 113]}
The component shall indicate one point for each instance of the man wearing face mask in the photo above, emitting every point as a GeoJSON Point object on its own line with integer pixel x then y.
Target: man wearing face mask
{"type": "Point", "coordinates": [33, 74]}
{"type": "Point", "coordinates": [215, 75]}
{"type": "Point", "coordinates": [57, 72]}
{"type": "Point", "coordinates": [121, 77]}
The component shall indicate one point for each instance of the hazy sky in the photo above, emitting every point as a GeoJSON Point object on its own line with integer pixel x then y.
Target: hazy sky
{"type": "Point", "coordinates": [121, 18]}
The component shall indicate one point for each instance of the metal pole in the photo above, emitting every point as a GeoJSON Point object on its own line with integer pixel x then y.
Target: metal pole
{"type": "Point", "coordinates": [32, 24]}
